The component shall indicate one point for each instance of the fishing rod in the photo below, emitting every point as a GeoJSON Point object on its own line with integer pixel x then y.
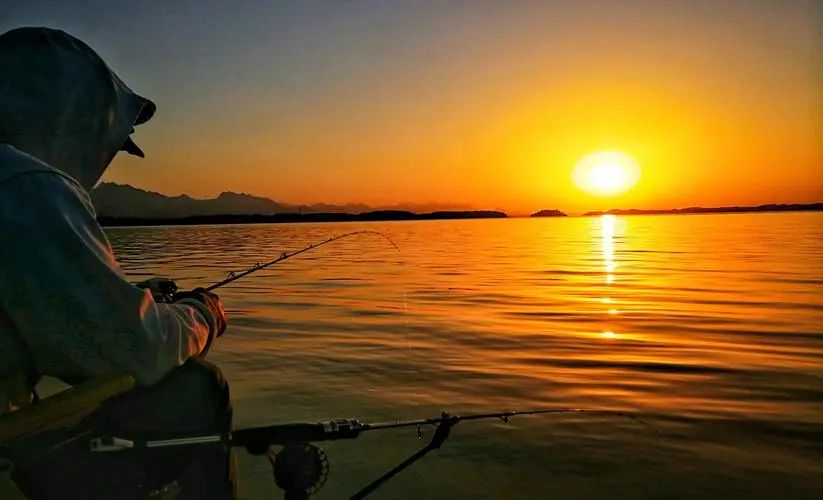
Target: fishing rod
{"type": "Point", "coordinates": [236, 275]}
{"type": "Point", "coordinates": [165, 289]}
{"type": "Point", "coordinates": [301, 469]}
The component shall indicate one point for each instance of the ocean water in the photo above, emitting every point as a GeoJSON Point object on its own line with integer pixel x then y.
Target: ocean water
{"type": "Point", "coordinates": [709, 326]}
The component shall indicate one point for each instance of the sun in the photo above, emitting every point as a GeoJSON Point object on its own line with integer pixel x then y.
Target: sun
{"type": "Point", "coordinates": [606, 173]}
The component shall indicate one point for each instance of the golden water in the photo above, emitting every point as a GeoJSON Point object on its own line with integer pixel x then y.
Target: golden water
{"type": "Point", "coordinates": [710, 325]}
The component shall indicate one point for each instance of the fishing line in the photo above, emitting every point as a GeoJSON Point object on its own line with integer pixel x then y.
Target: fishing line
{"type": "Point", "coordinates": [236, 275]}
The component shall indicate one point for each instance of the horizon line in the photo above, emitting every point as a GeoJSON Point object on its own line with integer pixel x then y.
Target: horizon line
{"type": "Point", "coordinates": [513, 214]}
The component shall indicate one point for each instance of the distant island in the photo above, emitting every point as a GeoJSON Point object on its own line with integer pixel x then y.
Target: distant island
{"type": "Point", "coordinates": [549, 213]}
{"type": "Point", "coordinates": [378, 215]}
{"type": "Point", "coordinates": [713, 210]}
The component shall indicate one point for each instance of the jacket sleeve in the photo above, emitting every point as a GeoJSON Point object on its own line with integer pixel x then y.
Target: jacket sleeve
{"type": "Point", "coordinates": [70, 300]}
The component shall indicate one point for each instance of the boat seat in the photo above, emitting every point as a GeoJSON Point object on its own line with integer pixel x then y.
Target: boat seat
{"type": "Point", "coordinates": [61, 409]}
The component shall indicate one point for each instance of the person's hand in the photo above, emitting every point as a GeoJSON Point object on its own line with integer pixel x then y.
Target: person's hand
{"type": "Point", "coordinates": [162, 289]}
{"type": "Point", "coordinates": [212, 303]}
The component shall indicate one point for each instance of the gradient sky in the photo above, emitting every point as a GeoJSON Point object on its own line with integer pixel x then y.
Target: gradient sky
{"type": "Point", "coordinates": [484, 102]}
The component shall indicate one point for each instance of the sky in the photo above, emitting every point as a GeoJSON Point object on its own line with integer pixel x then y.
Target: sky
{"type": "Point", "coordinates": [480, 102]}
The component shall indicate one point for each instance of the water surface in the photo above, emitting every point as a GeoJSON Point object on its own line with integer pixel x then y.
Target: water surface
{"type": "Point", "coordinates": [709, 325]}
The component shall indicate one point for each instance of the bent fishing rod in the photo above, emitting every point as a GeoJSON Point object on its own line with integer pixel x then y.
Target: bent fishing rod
{"type": "Point", "coordinates": [236, 275]}
{"type": "Point", "coordinates": [301, 469]}
{"type": "Point", "coordinates": [167, 288]}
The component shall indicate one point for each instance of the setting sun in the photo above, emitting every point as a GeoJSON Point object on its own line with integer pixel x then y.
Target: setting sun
{"type": "Point", "coordinates": [606, 173]}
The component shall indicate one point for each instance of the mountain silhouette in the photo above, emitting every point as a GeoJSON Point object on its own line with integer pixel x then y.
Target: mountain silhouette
{"type": "Point", "coordinates": [122, 200]}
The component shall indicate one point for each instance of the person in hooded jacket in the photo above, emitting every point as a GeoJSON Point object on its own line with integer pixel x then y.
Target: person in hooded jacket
{"type": "Point", "coordinates": [66, 308]}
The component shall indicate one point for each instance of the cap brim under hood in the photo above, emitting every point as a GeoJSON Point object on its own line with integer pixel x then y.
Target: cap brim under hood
{"type": "Point", "coordinates": [62, 104]}
{"type": "Point", "coordinates": [131, 147]}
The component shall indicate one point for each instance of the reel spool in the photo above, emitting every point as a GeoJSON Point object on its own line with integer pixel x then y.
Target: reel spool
{"type": "Point", "coordinates": [300, 469]}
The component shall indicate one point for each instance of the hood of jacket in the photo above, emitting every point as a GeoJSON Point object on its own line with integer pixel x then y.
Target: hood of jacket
{"type": "Point", "coordinates": [61, 103]}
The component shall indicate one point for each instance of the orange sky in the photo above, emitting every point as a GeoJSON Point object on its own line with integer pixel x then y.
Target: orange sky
{"type": "Point", "coordinates": [484, 103]}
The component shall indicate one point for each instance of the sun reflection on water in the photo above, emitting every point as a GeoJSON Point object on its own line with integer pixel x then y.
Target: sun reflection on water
{"type": "Point", "coordinates": [607, 246]}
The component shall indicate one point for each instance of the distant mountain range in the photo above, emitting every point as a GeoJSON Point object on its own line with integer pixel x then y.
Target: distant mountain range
{"type": "Point", "coordinates": [125, 201]}
{"type": "Point", "coordinates": [118, 201]}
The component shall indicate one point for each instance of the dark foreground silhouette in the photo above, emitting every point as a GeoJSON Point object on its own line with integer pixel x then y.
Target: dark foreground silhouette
{"type": "Point", "coordinates": [381, 215]}
{"type": "Point", "coordinates": [713, 210]}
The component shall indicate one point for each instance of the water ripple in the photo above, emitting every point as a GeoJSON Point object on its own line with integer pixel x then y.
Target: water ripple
{"type": "Point", "coordinates": [711, 326]}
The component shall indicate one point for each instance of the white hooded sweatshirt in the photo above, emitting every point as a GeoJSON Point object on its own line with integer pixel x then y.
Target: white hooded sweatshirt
{"type": "Point", "coordinates": [66, 308]}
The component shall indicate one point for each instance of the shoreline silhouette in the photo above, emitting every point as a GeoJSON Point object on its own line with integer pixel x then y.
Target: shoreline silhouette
{"type": "Point", "coordinates": [375, 216]}
{"type": "Point", "coordinates": [792, 207]}
{"type": "Point", "coordinates": [123, 204]}
{"type": "Point", "coordinates": [402, 215]}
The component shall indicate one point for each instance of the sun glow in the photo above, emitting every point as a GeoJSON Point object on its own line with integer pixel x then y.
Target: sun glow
{"type": "Point", "coordinates": [606, 173]}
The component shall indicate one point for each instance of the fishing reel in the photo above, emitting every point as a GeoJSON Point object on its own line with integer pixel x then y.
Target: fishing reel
{"type": "Point", "coordinates": [162, 289]}
{"type": "Point", "coordinates": [300, 469]}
